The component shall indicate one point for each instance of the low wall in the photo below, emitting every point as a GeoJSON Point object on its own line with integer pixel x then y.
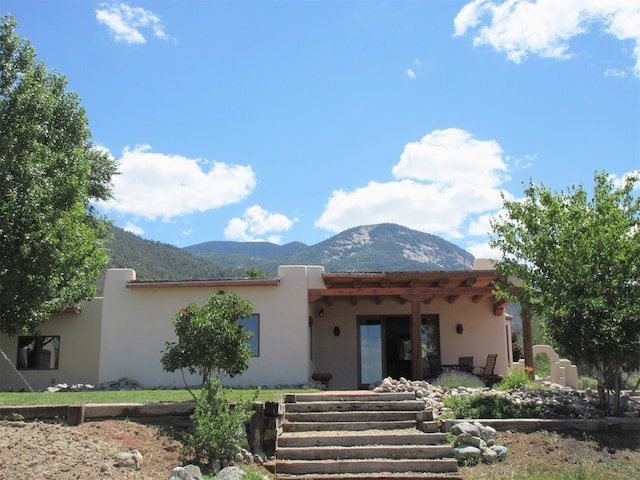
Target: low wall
{"type": "Point", "coordinates": [264, 427]}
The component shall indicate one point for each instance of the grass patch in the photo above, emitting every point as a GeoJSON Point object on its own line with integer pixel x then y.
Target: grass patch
{"type": "Point", "coordinates": [131, 396]}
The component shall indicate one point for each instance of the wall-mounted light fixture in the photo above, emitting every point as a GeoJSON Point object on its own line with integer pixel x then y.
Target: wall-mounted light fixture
{"type": "Point", "coordinates": [336, 331]}
{"type": "Point", "coordinates": [459, 328]}
{"type": "Point", "coordinates": [321, 312]}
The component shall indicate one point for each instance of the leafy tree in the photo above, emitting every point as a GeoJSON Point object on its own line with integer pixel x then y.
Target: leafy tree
{"type": "Point", "coordinates": [577, 261]}
{"type": "Point", "coordinates": [51, 240]}
{"type": "Point", "coordinates": [211, 340]}
{"type": "Point", "coordinates": [255, 272]}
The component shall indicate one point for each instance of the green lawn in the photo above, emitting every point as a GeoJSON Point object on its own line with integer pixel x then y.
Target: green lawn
{"type": "Point", "coordinates": [128, 396]}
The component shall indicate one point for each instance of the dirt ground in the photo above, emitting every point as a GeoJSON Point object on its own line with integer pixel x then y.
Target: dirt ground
{"type": "Point", "coordinates": [43, 451]}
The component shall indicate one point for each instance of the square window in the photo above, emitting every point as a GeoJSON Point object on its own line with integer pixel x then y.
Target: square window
{"type": "Point", "coordinates": [252, 324]}
{"type": "Point", "coordinates": [38, 352]}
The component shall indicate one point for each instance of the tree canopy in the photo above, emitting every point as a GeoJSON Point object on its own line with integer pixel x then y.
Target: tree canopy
{"type": "Point", "coordinates": [51, 238]}
{"type": "Point", "coordinates": [211, 338]}
{"type": "Point", "coordinates": [577, 264]}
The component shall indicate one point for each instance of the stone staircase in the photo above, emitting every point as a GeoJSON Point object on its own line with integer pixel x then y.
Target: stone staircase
{"type": "Point", "coordinates": [360, 435]}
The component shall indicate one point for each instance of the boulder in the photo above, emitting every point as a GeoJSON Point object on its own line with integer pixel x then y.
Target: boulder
{"type": "Point", "coordinates": [131, 459]}
{"type": "Point", "coordinates": [188, 472]}
{"type": "Point", "coordinates": [230, 473]}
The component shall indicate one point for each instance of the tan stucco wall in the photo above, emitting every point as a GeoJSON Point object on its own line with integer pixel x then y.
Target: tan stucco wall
{"type": "Point", "coordinates": [137, 323]}
{"type": "Point", "coordinates": [79, 351]}
{"type": "Point", "coordinates": [483, 333]}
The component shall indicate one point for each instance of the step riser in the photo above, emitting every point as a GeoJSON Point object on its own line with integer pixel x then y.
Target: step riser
{"type": "Point", "coordinates": [420, 452]}
{"type": "Point", "coordinates": [414, 406]}
{"type": "Point", "coordinates": [367, 466]}
{"type": "Point", "coordinates": [361, 440]}
{"type": "Point", "coordinates": [350, 416]}
{"type": "Point", "coordinates": [346, 426]}
{"type": "Point", "coordinates": [349, 397]}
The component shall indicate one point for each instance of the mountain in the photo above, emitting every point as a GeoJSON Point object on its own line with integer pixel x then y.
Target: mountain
{"type": "Point", "coordinates": [252, 249]}
{"type": "Point", "coordinates": [157, 261]}
{"type": "Point", "coordinates": [369, 248]}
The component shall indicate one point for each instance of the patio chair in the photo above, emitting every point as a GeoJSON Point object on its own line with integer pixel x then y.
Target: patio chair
{"type": "Point", "coordinates": [465, 364]}
{"type": "Point", "coordinates": [434, 365]}
{"type": "Point", "coordinates": [486, 372]}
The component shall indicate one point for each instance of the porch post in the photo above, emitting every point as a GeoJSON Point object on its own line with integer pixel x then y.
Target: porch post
{"type": "Point", "coordinates": [416, 340]}
{"type": "Point", "coordinates": [527, 340]}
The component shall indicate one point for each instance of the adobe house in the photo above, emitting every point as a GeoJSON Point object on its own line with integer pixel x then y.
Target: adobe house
{"type": "Point", "coordinates": [355, 328]}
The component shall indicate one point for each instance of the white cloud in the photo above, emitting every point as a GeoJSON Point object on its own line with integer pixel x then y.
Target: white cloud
{"type": "Point", "coordinates": [483, 250]}
{"type": "Point", "coordinates": [255, 223]}
{"type": "Point", "coordinates": [521, 28]}
{"type": "Point", "coordinates": [125, 22]}
{"type": "Point", "coordinates": [441, 182]}
{"type": "Point", "coordinates": [153, 185]}
{"type": "Point", "coordinates": [130, 227]}
{"type": "Point", "coordinates": [411, 74]}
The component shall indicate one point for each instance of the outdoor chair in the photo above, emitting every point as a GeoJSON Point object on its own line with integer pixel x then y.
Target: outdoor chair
{"type": "Point", "coordinates": [486, 372]}
{"type": "Point", "coordinates": [434, 365]}
{"type": "Point", "coordinates": [465, 364]}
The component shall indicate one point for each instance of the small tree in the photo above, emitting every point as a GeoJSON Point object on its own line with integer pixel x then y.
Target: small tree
{"type": "Point", "coordinates": [219, 425]}
{"type": "Point", "coordinates": [577, 261]}
{"type": "Point", "coordinates": [211, 340]}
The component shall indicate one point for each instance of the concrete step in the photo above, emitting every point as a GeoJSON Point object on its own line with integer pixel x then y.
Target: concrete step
{"type": "Point", "coordinates": [342, 396]}
{"type": "Point", "coordinates": [361, 416]}
{"type": "Point", "coordinates": [370, 466]}
{"type": "Point", "coordinates": [361, 435]}
{"type": "Point", "coordinates": [354, 406]}
{"type": "Point", "coordinates": [387, 452]}
{"type": "Point", "coordinates": [344, 426]}
{"type": "Point", "coordinates": [373, 476]}
{"type": "Point", "coordinates": [360, 438]}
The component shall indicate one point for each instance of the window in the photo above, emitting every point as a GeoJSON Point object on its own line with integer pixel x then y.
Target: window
{"type": "Point", "coordinates": [252, 324]}
{"type": "Point", "coordinates": [38, 353]}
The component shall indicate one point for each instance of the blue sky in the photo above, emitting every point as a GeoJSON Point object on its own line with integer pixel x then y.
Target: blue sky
{"type": "Point", "coordinates": [295, 120]}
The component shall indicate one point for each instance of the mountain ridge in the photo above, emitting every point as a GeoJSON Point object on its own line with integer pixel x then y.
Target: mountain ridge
{"type": "Point", "coordinates": [378, 247]}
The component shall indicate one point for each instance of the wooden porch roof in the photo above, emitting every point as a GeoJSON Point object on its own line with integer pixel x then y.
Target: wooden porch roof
{"type": "Point", "coordinates": [475, 285]}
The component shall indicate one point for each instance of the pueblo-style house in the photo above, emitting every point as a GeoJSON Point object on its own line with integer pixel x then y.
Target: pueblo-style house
{"type": "Point", "coordinates": [347, 329]}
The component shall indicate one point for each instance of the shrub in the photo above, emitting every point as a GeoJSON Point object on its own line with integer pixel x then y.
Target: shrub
{"type": "Point", "coordinates": [219, 425]}
{"type": "Point", "coordinates": [491, 406]}
{"type": "Point", "coordinates": [456, 378]}
{"type": "Point", "coordinates": [514, 379]}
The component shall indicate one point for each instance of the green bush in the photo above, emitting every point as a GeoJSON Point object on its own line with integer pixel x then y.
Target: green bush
{"type": "Point", "coordinates": [456, 378]}
{"type": "Point", "coordinates": [219, 425]}
{"type": "Point", "coordinates": [587, 382]}
{"type": "Point", "coordinates": [491, 406]}
{"type": "Point", "coordinates": [514, 379]}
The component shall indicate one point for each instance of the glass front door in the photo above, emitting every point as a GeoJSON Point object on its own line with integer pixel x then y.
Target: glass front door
{"type": "Point", "coordinates": [384, 345]}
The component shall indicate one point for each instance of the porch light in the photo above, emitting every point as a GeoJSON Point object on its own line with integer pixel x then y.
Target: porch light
{"type": "Point", "coordinates": [321, 312]}
{"type": "Point", "coordinates": [459, 328]}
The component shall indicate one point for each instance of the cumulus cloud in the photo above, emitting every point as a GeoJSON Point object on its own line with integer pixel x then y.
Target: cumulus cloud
{"type": "Point", "coordinates": [439, 183]}
{"type": "Point", "coordinates": [521, 28]}
{"type": "Point", "coordinates": [255, 224]}
{"type": "Point", "coordinates": [411, 74]}
{"type": "Point", "coordinates": [132, 228]}
{"type": "Point", "coordinates": [126, 23]}
{"type": "Point", "coordinates": [157, 185]}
